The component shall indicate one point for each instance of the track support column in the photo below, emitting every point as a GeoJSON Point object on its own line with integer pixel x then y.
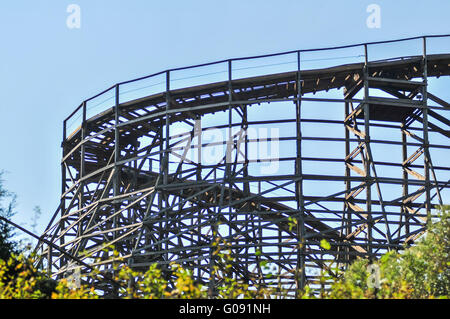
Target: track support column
{"type": "Point", "coordinates": [300, 269]}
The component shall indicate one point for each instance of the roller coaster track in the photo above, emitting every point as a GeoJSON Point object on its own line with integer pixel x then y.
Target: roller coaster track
{"type": "Point", "coordinates": [128, 181]}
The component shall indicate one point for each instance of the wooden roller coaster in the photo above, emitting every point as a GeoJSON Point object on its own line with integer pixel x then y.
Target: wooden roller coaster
{"type": "Point", "coordinates": [133, 175]}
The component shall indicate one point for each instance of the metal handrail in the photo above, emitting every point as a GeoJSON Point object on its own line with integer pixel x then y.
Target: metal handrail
{"type": "Point", "coordinates": [229, 61]}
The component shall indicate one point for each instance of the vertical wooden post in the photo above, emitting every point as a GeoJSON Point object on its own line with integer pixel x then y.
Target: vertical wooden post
{"type": "Point", "coordinates": [404, 210]}
{"type": "Point", "coordinates": [367, 154]}
{"type": "Point", "coordinates": [425, 129]}
{"type": "Point", "coordinates": [348, 186]}
{"type": "Point", "coordinates": [82, 163]}
{"type": "Point", "coordinates": [165, 165]}
{"type": "Point", "coordinates": [116, 182]}
{"type": "Point", "coordinates": [300, 269]}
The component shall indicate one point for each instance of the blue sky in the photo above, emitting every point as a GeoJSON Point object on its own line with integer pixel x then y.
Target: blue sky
{"type": "Point", "coordinates": [48, 69]}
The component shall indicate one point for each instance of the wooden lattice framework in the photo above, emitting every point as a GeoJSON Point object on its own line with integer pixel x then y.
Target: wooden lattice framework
{"type": "Point", "coordinates": [127, 180]}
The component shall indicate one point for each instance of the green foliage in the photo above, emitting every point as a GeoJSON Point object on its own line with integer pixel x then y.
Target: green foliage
{"type": "Point", "coordinates": [421, 271]}
{"type": "Point", "coordinates": [36, 215]}
{"type": "Point", "coordinates": [19, 279]}
{"type": "Point", "coordinates": [7, 244]}
{"type": "Point", "coordinates": [179, 283]}
{"type": "Point", "coordinates": [325, 244]}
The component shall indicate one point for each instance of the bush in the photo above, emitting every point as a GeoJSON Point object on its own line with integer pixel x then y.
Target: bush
{"type": "Point", "coordinates": [7, 244]}
{"type": "Point", "coordinates": [421, 271]}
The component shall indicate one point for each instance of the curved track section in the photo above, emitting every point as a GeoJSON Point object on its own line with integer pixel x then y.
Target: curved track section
{"type": "Point", "coordinates": [268, 166]}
